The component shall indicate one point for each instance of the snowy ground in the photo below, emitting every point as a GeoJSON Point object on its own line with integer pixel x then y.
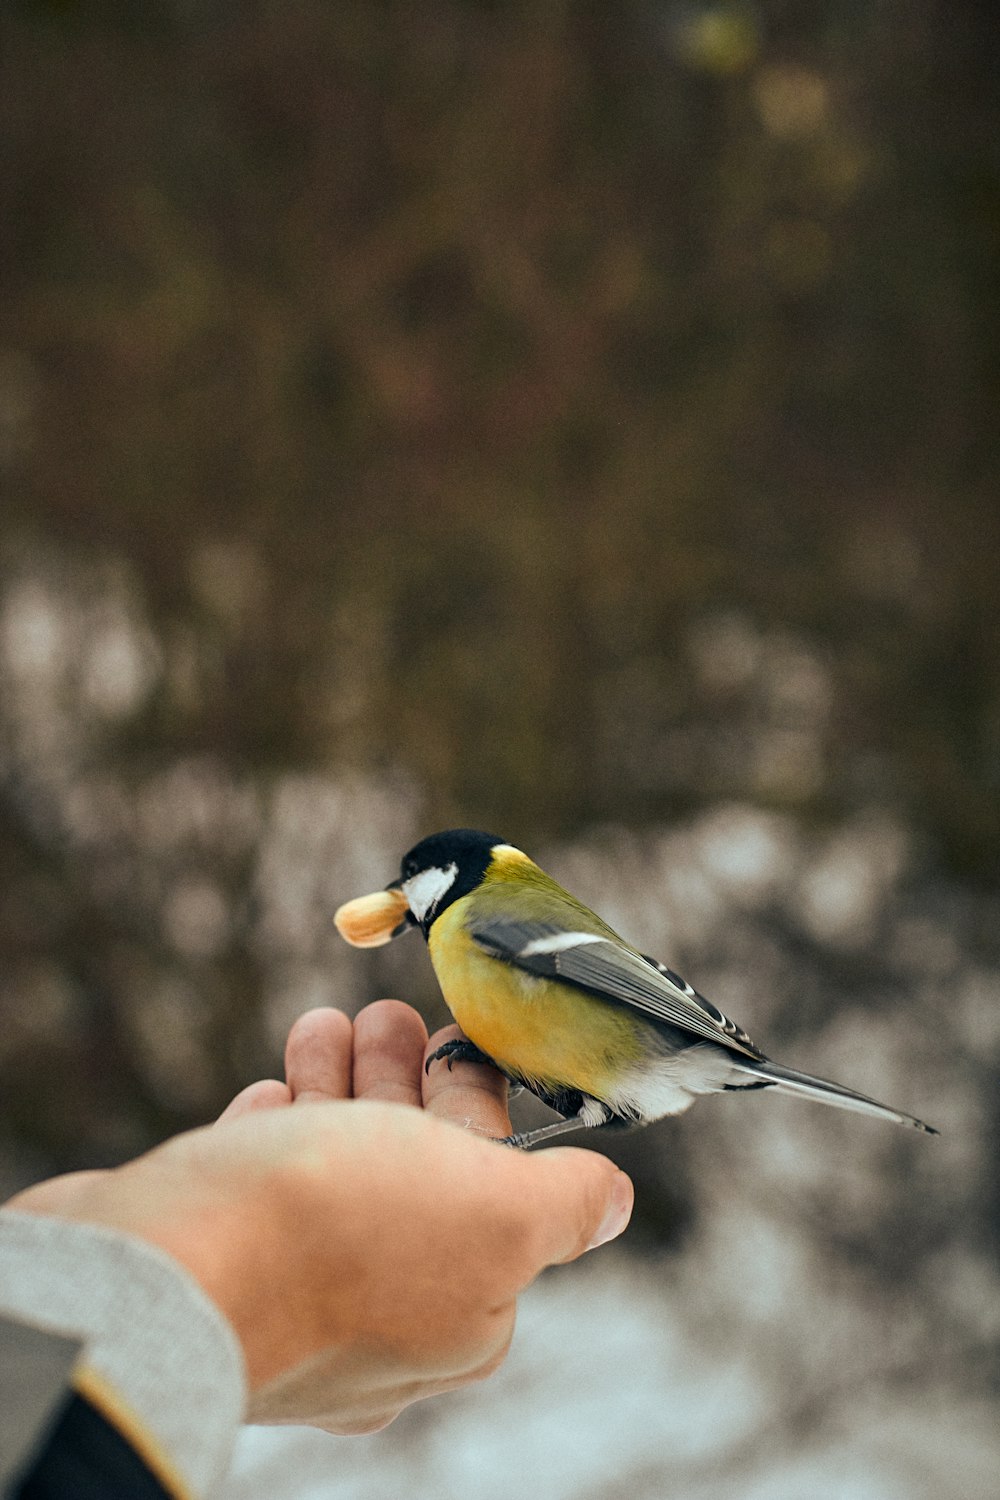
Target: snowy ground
{"type": "Point", "coordinates": [612, 1388]}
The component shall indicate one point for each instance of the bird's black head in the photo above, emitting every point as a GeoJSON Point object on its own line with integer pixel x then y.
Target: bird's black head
{"type": "Point", "coordinates": [443, 867]}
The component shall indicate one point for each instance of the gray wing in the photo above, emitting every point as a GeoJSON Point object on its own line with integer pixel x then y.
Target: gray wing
{"type": "Point", "coordinates": [607, 968]}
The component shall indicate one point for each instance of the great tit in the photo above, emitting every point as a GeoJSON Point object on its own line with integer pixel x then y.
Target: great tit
{"type": "Point", "coordinates": [548, 993]}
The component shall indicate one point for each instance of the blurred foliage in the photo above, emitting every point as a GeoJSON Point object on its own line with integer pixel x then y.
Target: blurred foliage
{"type": "Point", "coordinates": [436, 369]}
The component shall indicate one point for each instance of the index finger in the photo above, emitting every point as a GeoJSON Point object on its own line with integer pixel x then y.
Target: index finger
{"type": "Point", "coordinates": [473, 1095]}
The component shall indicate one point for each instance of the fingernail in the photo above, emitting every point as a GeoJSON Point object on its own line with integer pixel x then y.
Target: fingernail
{"type": "Point", "coordinates": [618, 1212]}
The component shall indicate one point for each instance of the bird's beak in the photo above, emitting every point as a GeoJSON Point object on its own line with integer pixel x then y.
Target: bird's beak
{"type": "Point", "coordinates": [370, 921]}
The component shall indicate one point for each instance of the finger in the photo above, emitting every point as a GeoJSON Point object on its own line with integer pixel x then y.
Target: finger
{"type": "Point", "coordinates": [267, 1093]}
{"type": "Point", "coordinates": [574, 1200]}
{"type": "Point", "coordinates": [318, 1056]}
{"type": "Point", "coordinates": [389, 1042]}
{"type": "Point", "coordinates": [470, 1094]}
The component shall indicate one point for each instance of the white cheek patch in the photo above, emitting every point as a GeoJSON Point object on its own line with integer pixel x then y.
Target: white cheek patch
{"type": "Point", "coordinates": [559, 942]}
{"type": "Point", "coordinates": [425, 890]}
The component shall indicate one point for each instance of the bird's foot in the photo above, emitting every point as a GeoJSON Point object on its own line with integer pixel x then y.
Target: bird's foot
{"type": "Point", "coordinates": [591, 1116]}
{"type": "Point", "coordinates": [458, 1050]}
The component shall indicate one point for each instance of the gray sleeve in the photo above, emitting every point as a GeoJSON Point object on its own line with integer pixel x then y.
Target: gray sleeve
{"type": "Point", "coordinates": [129, 1329]}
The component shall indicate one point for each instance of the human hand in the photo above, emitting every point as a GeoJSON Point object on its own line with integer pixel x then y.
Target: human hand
{"type": "Point", "coordinates": [381, 1057]}
{"type": "Point", "coordinates": [367, 1254]}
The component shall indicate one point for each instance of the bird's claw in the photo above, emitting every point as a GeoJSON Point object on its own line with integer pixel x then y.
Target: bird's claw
{"type": "Point", "coordinates": [459, 1049]}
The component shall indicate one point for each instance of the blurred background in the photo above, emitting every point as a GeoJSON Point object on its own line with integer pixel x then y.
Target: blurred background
{"type": "Point", "coordinates": [578, 421]}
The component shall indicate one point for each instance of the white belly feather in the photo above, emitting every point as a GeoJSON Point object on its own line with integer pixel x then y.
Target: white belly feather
{"type": "Point", "coordinates": [669, 1083]}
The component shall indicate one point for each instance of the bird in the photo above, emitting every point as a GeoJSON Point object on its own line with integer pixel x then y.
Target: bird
{"type": "Point", "coordinates": [544, 990]}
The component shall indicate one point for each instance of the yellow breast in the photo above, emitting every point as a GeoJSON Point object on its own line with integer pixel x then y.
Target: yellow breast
{"type": "Point", "coordinates": [541, 1029]}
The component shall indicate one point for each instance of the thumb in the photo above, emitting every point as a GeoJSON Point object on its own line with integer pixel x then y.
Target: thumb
{"type": "Point", "coordinates": [576, 1200]}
